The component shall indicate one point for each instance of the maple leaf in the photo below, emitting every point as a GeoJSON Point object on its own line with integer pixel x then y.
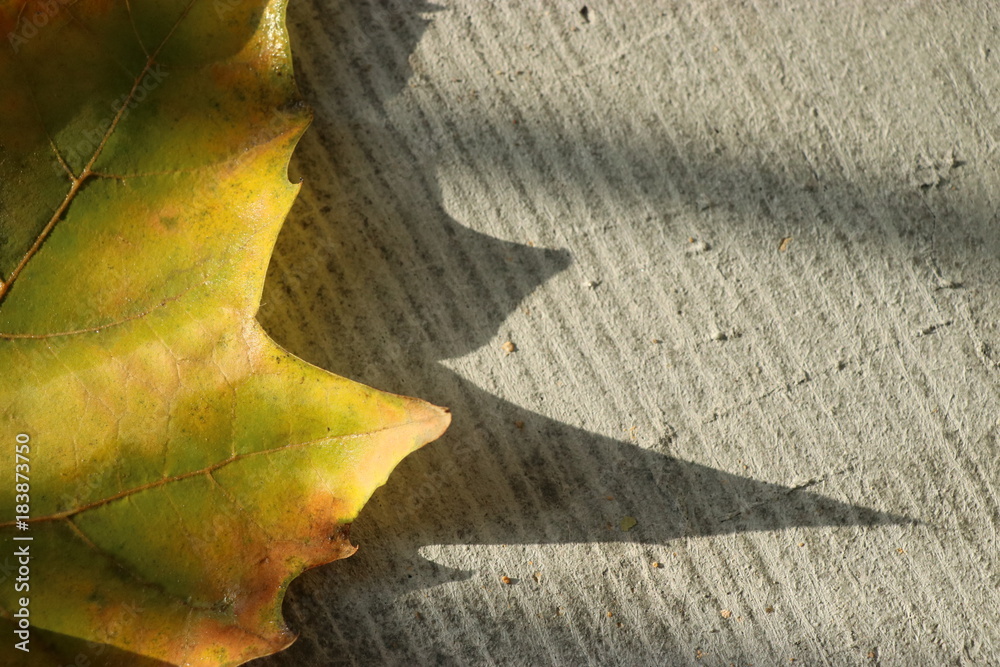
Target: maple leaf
{"type": "Point", "coordinates": [177, 467]}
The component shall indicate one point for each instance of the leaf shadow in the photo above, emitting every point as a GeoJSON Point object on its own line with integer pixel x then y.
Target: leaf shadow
{"type": "Point", "coordinates": [401, 286]}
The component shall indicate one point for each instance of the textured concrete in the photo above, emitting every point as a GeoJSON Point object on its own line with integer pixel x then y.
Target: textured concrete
{"type": "Point", "coordinates": [749, 255]}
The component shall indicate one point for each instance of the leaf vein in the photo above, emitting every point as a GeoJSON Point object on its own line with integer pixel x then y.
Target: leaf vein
{"type": "Point", "coordinates": [211, 469]}
{"type": "Point", "coordinates": [84, 175]}
{"type": "Point", "coordinates": [98, 328]}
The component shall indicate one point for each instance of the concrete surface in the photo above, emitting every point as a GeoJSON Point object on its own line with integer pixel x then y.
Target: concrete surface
{"type": "Point", "coordinates": [748, 255]}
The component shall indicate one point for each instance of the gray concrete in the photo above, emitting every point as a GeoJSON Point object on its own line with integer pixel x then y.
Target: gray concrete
{"type": "Point", "coordinates": [749, 254]}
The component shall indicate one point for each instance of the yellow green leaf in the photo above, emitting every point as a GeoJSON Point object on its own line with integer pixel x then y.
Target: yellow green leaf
{"type": "Point", "coordinates": [180, 468]}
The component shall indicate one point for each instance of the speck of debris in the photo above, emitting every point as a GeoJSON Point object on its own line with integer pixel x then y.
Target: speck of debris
{"type": "Point", "coordinates": [657, 341]}
{"type": "Point", "coordinates": [591, 284]}
{"type": "Point", "coordinates": [610, 614]}
{"type": "Point", "coordinates": [509, 347]}
{"type": "Point", "coordinates": [538, 577]}
{"type": "Point", "coordinates": [628, 523]}
{"type": "Point", "coordinates": [784, 243]}
{"type": "Point", "coordinates": [585, 13]}
{"type": "Point", "coordinates": [507, 580]}
{"type": "Point", "coordinates": [948, 284]}
{"type": "Point", "coordinates": [928, 330]}
{"type": "Point", "coordinates": [720, 336]}
{"type": "Point", "coordinates": [519, 424]}
{"type": "Point", "coordinates": [768, 609]}
{"type": "Point", "coordinates": [697, 247]}
{"type": "Point", "coordinates": [725, 613]}
{"type": "Point", "coordinates": [704, 202]}
{"type": "Point", "coordinates": [657, 565]}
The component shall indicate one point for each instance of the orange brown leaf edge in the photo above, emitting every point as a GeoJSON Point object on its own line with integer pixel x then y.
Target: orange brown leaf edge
{"type": "Point", "coordinates": [170, 468]}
